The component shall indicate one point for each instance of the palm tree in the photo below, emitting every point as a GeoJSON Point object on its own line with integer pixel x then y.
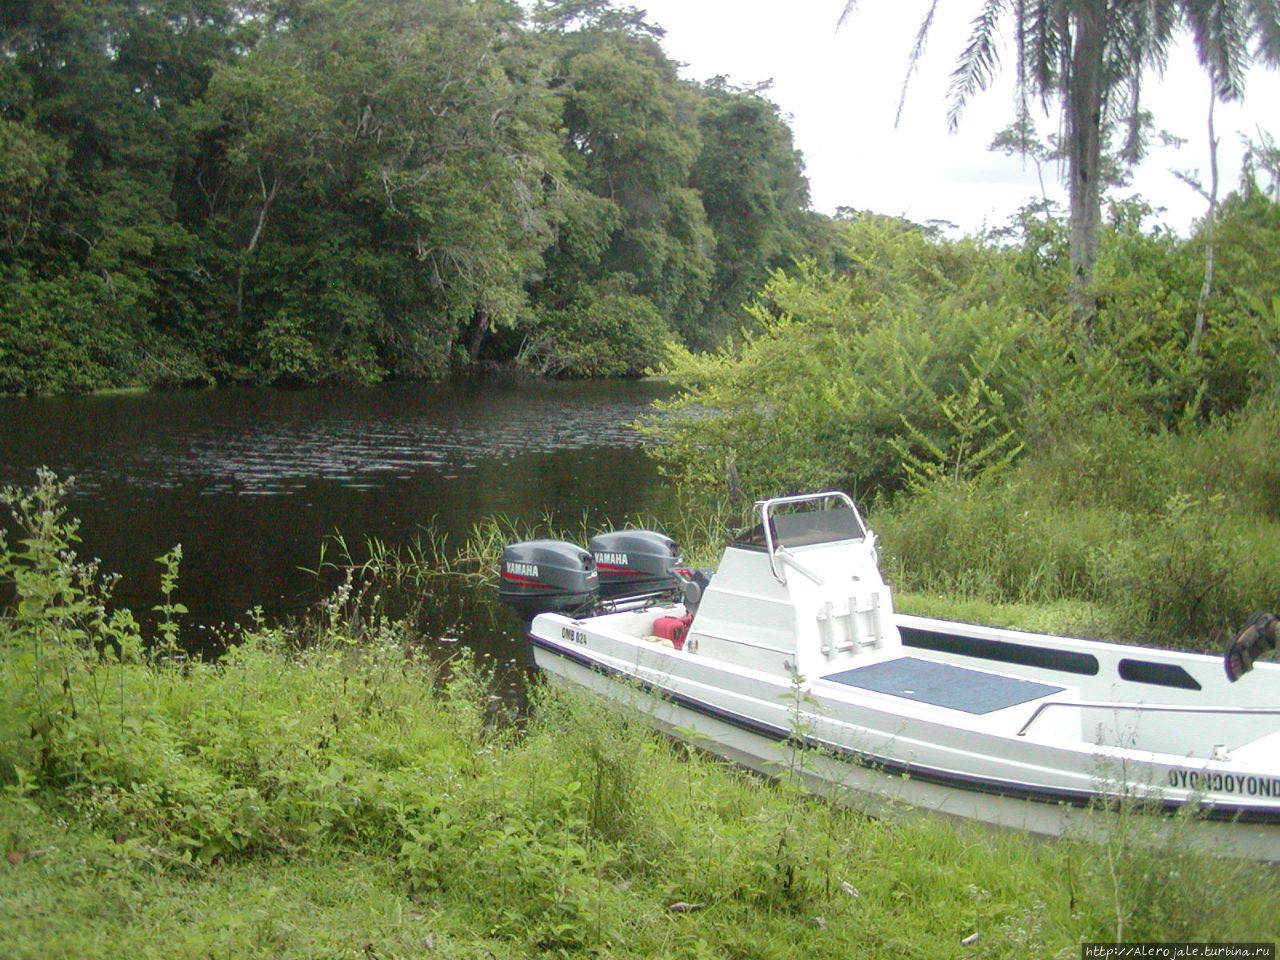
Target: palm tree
{"type": "Point", "coordinates": [1090, 56]}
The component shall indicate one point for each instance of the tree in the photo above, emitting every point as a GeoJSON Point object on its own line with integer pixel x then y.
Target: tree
{"type": "Point", "coordinates": [388, 187]}
{"type": "Point", "coordinates": [342, 190]}
{"type": "Point", "coordinates": [95, 104]}
{"type": "Point", "coordinates": [630, 138]}
{"type": "Point", "coordinates": [751, 180]}
{"type": "Point", "coordinates": [1091, 56]}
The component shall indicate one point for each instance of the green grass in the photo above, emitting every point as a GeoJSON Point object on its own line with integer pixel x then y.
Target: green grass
{"type": "Point", "coordinates": [576, 832]}
{"type": "Point", "coordinates": [1078, 618]}
{"type": "Point", "coordinates": [335, 791]}
{"type": "Point", "coordinates": [86, 897]}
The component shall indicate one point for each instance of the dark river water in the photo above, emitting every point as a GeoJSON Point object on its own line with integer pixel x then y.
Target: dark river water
{"type": "Point", "coordinates": [251, 482]}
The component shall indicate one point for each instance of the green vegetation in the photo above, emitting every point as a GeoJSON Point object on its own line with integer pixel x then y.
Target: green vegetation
{"type": "Point", "coordinates": [323, 191]}
{"type": "Point", "coordinates": [943, 383]}
{"type": "Point", "coordinates": [357, 795]}
{"type": "Point", "coordinates": [341, 191]}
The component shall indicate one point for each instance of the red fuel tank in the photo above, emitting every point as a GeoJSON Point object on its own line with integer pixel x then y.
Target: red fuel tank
{"type": "Point", "coordinates": [673, 628]}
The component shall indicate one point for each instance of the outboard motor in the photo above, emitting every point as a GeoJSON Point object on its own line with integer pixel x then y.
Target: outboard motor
{"type": "Point", "coordinates": [635, 562]}
{"type": "Point", "coordinates": [538, 576]}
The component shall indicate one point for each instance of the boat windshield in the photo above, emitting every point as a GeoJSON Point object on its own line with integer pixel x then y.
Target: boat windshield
{"type": "Point", "coordinates": [806, 527]}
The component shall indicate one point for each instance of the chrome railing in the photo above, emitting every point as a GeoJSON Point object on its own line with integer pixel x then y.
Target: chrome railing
{"type": "Point", "coordinates": [1146, 708]}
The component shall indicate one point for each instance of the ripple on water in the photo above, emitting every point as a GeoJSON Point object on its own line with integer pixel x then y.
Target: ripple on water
{"type": "Point", "coordinates": [265, 443]}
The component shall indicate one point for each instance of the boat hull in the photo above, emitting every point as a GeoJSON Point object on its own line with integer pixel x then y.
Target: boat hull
{"type": "Point", "coordinates": [902, 763]}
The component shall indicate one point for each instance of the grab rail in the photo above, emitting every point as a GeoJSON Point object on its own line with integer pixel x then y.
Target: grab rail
{"type": "Point", "coordinates": [1150, 707]}
{"type": "Point", "coordinates": [795, 564]}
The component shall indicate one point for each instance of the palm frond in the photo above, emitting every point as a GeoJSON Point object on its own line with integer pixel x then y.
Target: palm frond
{"type": "Point", "coordinates": [978, 61]}
{"type": "Point", "coordinates": [1165, 19]}
{"type": "Point", "coordinates": [1221, 32]}
{"type": "Point", "coordinates": [1061, 24]}
{"type": "Point", "coordinates": [1136, 122]}
{"type": "Point", "coordinates": [849, 6]}
{"type": "Point", "coordinates": [1041, 41]}
{"type": "Point", "coordinates": [917, 53]}
{"type": "Point", "coordinates": [1264, 17]}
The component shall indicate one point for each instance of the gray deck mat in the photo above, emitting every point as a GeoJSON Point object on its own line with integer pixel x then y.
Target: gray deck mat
{"type": "Point", "coordinates": [944, 684]}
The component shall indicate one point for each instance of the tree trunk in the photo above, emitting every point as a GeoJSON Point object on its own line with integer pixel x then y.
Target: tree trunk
{"type": "Point", "coordinates": [1206, 288]}
{"type": "Point", "coordinates": [268, 197]}
{"type": "Point", "coordinates": [1084, 154]}
{"type": "Point", "coordinates": [475, 337]}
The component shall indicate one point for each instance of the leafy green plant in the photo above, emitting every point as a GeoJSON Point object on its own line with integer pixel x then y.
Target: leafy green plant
{"type": "Point", "coordinates": [976, 440]}
{"type": "Point", "coordinates": [170, 610]}
{"type": "Point", "coordinates": [363, 782]}
{"type": "Point", "coordinates": [1161, 537]}
{"type": "Point", "coordinates": [606, 333]}
{"type": "Point", "coordinates": [1181, 576]}
{"type": "Point", "coordinates": [58, 627]}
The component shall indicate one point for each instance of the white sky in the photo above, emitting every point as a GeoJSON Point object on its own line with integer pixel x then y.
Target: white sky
{"type": "Point", "coordinates": [841, 91]}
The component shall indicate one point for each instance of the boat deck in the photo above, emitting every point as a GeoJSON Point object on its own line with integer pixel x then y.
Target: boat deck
{"type": "Point", "coordinates": [944, 684]}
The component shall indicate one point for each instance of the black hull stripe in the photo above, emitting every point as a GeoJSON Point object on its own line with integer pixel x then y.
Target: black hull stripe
{"type": "Point", "coordinates": [892, 768]}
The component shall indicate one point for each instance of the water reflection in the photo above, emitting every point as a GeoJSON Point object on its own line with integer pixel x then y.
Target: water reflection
{"type": "Point", "coordinates": [251, 481]}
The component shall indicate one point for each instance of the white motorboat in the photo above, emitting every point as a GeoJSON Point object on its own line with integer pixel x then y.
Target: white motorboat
{"type": "Point", "coordinates": [793, 642]}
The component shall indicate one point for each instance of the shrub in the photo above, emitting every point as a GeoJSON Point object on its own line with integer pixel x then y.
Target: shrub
{"type": "Point", "coordinates": [996, 540]}
{"type": "Point", "coordinates": [605, 333]}
{"type": "Point", "coordinates": [830, 391]}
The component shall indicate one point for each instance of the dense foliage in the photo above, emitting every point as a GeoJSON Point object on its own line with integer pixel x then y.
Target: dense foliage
{"type": "Point", "coordinates": [944, 383]}
{"type": "Point", "coordinates": [344, 190]}
{"type": "Point", "coordinates": [355, 796]}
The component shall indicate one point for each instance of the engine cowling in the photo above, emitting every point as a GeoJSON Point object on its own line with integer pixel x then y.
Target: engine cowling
{"type": "Point", "coordinates": [539, 576]}
{"type": "Point", "coordinates": [635, 562]}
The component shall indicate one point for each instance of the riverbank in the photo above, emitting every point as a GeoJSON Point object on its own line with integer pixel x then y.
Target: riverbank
{"type": "Point", "coordinates": [347, 789]}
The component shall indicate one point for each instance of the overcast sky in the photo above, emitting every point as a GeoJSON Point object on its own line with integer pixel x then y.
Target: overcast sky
{"type": "Point", "coordinates": [841, 91]}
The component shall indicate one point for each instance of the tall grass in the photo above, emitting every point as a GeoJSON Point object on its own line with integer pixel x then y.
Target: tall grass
{"type": "Point", "coordinates": [373, 582]}
{"type": "Point", "coordinates": [1166, 538]}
